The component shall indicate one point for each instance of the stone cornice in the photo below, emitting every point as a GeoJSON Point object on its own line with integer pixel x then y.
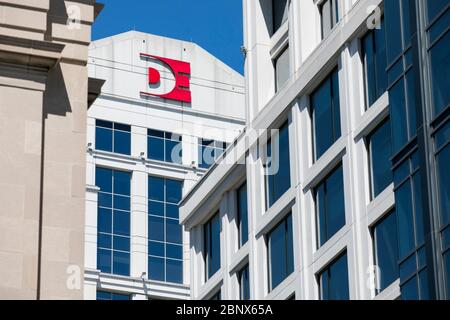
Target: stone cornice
{"type": "Point", "coordinates": [32, 53]}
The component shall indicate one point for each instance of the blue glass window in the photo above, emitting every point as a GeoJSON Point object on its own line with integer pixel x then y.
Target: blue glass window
{"type": "Point", "coordinates": [375, 63]}
{"type": "Point", "coordinates": [330, 207]}
{"type": "Point", "coordinates": [386, 250]}
{"type": "Point", "coordinates": [400, 73]}
{"type": "Point", "coordinates": [244, 284]}
{"type": "Point", "coordinates": [165, 244]}
{"type": "Point", "coordinates": [333, 281]}
{"type": "Point", "coordinates": [326, 114]}
{"type": "Point", "coordinates": [113, 214]}
{"type": "Point", "coordinates": [113, 137]}
{"type": "Point", "coordinates": [380, 152]}
{"type": "Point", "coordinates": [104, 295]}
{"type": "Point", "coordinates": [209, 151]}
{"type": "Point", "coordinates": [242, 214]}
{"type": "Point", "coordinates": [281, 252]}
{"type": "Point", "coordinates": [439, 52]}
{"type": "Point", "coordinates": [164, 146]}
{"type": "Point", "coordinates": [278, 172]}
{"type": "Point", "coordinates": [442, 154]}
{"type": "Point", "coordinates": [411, 229]}
{"type": "Point", "coordinates": [211, 240]}
{"type": "Point", "coordinates": [436, 7]}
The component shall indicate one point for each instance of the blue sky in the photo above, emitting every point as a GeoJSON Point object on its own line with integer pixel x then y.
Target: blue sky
{"type": "Point", "coordinates": [215, 25]}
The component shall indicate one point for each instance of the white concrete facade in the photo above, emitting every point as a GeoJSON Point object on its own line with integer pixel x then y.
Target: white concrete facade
{"type": "Point", "coordinates": [217, 112]}
{"type": "Point", "coordinates": [311, 61]}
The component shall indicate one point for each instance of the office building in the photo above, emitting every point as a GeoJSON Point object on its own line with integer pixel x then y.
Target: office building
{"type": "Point", "coordinates": [167, 110]}
{"type": "Point", "coordinates": [346, 196]}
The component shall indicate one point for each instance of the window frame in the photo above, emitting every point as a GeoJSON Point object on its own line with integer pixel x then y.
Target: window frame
{"type": "Point", "coordinates": [207, 245]}
{"type": "Point", "coordinates": [287, 237]}
{"type": "Point", "coordinates": [368, 143]}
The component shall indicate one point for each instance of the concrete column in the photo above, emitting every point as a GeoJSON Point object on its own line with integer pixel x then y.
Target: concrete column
{"type": "Point", "coordinates": [139, 220]}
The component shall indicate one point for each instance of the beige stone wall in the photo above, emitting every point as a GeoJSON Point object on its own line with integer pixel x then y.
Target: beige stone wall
{"type": "Point", "coordinates": [44, 103]}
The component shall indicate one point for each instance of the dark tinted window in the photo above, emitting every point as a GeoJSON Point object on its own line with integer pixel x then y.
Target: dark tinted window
{"type": "Point", "coordinates": [165, 245]}
{"type": "Point", "coordinates": [113, 221]}
{"type": "Point", "coordinates": [386, 250]}
{"type": "Point", "coordinates": [374, 55]}
{"type": "Point", "coordinates": [281, 253]}
{"type": "Point", "coordinates": [326, 115]}
{"type": "Point", "coordinates": [380, 151]}
{"type": "Point", "coordinates": [212, 245]}
{"type": "Point", "coordinates": [242, 214]}
{"type": "Point", "coordinates": [278, 174]}
{"type": "Point", "coordinates": [330, 207]}
{"type": "Point", "coordinates": [334, 280]}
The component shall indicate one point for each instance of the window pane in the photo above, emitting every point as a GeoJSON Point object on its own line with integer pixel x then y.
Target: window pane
{"type": "Point", "coordinates": [330, 206]}
{"type": "Point", "coordinates": [121, 263]}
{"type": "Point", "coordinates": [172, 211]}
{"type": "Point", "coordinates": [156, 248]}
{"type": "Point", "coordinates": [104, 220]}
{"type": "Point", "coordinates": [155, 148]}
{"type": "Point", "coordinates": [104, 200]}
{"type": "Point", "coordinates": [156, 228]}
{"type": "Point", "coordinates": [156, 188]}
{"type": "Point", "coordinates": [122, 203]}
{"type": "Point", "coordinates": [405, 219]}
{"type": "Point", "coordinates": [280, 13]}
{"type": "Point", "coordinates": [447, 271]}
{"type": "Point", "coordinates": [121, 223]}
{"type": "Point", "coordinates": [173, 231]}
{"type": "Point", "coordinates": [282, 71]}
{"type": "Point", "coordinates": [174, 272]}
{"type": "Point", "coordinates": [212, 246]}
{"type": "Point", "coordinates": [122, 142]}
{"type": "Point", "coordinates": [278, 175]}
{"type": "Point", "coordinates": [244, 284]}
{"type": "Point", "coordinates": [103, 139]}
{"type": "Point", "coordinates": [334, 280]}
{"type": "Point", "coordinates": [410, 291]}
{"type": "Point", "coordinates": [173, 191]}
{"type": "Point", "coordinates": [103, 295]}
{"type": "Point", "coordinates": [103, 179]}
{"type": "Point", "coordinates": [393, 29]}
{"type": "Point", "coordinates": [281, 252]}
{"type": "Point", "coordinates": [121, 243]}
{"type": "Point", "coordinates": [386, 250]}
{"type": "Point", "coordinates": [374, 48]}
{"type": "Point", "coordinates": [103, 124]}
{"type": "Point", "coordinates": [122, 182]}
{"type": "Point", "coordinates": [242, 214]}
{"type": "Point", "coordinates": [173, 152]}
{"type": "Point", "coordinates": [380, 154]}
{"type": "Point", "coordinates": [156, 269]}
{"type": "Point", "coordinates": [104, 241]}
{"type": "Point", "coordinates": [174, 251]}
{"type": "Point", "coordinates": [122, 127]}
{"type": "Point", "coordinates": [398, 116]}
{"type": "Point", "coordinates": [440, 70]}
{"type": "Point", "coordinates": [443, 176]}
{"type": "Point", "coordinates": [156, 208]}
{"type": "Point", "coordinates": [323, 121]}
{"type": "Point", "coordinates": [326, 114]}
{"type": "Point", "coordinates": [435, 7]}
{"type": "Point", "coordinates": [325, 13]}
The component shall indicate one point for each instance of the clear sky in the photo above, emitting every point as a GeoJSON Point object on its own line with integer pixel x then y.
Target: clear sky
{"type": "Point", "coordinates": [215, 25]}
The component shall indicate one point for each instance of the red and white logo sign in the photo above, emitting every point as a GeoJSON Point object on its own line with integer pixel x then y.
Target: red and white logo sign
{"type": "Point", "coordinates": [181, 71]}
